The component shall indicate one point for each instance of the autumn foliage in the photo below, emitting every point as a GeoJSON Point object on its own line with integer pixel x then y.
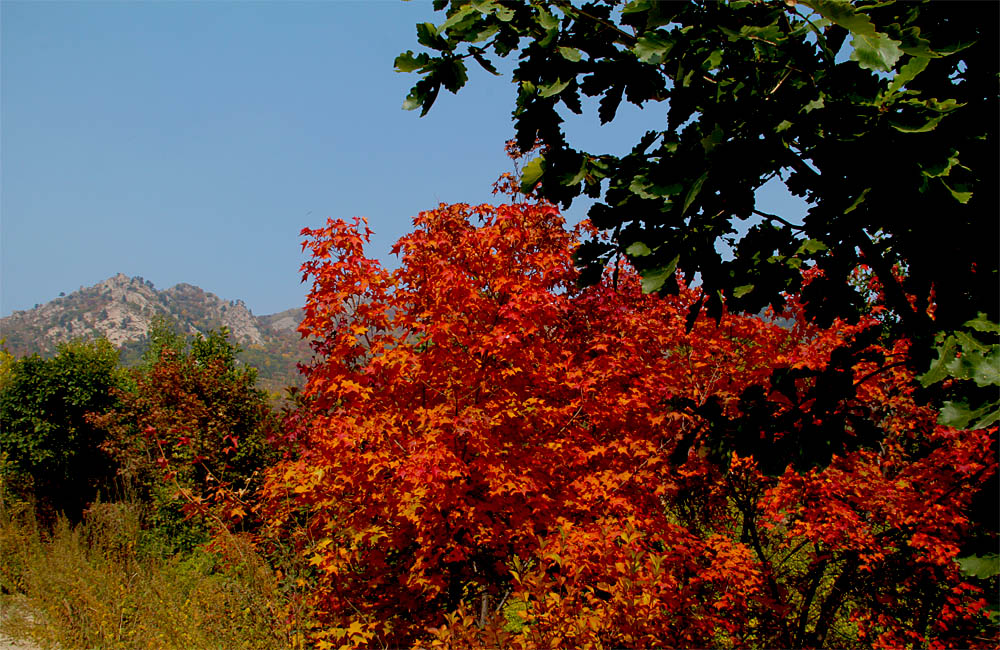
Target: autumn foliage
{"type": "Point", "coordinates": [492, 456]}
{"type": "Point", "coordinates": [189, 434]}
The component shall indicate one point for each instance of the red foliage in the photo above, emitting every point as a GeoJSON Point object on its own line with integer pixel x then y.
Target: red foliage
{"type": "Point", "coordinates": [191, 420]}
{"type": "Point", "coordinates": [485, 438]}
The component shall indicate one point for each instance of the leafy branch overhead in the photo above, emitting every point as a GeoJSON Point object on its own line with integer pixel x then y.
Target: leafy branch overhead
{"type": "Point", "coordinates": [882, 116]}
{"type": "Point", "coordinates": [965, 357]}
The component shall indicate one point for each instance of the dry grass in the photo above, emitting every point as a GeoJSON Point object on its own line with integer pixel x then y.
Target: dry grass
{"type": "Point", "coordinates": [94, 586]}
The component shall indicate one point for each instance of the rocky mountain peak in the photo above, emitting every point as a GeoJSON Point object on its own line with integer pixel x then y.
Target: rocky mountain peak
{"type": "Point", "coordinates": [123, 308]}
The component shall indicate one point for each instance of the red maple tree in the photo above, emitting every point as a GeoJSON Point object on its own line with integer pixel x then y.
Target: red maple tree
{"type": "Point", "coordinates": [493, 456]}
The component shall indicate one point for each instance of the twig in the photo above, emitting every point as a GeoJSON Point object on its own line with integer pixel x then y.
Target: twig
{"type": "Point", "coordinates": [774, 217]}
{"type": "Point", "coordinates": [780, 81]}
{"type": "Point", "coordinates": [571, 10]}
{"type": "Point", "coordinates": [503, 600]}
{"type": "Point", "coordinates": [877, 371]}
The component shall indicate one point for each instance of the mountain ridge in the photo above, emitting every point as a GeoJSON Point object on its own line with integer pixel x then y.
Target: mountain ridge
{"type": "Point", "coordinates": [122, 309]}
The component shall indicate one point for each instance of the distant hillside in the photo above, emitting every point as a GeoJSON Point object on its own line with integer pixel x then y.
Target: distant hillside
{"type": "Point", "coordinates": [121, 309]}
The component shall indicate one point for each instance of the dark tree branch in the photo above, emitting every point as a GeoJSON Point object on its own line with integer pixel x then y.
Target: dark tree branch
{"type": "Point", "coordinates": [832, 603]}
{"type": "Point", "coordinates": [774, 217]}
{"type": "Point", "coordinates": [570, 10]}
{"type": "Point", "coordinates": [879, 371]}
{"type": "Point", "coordinates": [892, 290]}
{"type": "Point", "coordinates": [815, 576]}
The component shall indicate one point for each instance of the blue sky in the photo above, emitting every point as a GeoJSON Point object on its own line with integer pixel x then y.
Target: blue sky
{"type": "Point", "coordinates": [191, 142]}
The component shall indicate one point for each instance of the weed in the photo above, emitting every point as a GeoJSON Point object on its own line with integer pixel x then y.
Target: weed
{"type": "Point", "coordinates": [95, 585]}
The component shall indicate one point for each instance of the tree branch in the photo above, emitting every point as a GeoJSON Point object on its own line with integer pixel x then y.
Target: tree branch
{"type": "Point", "coordinates": [879, 371]}
{"type": "Point", "coordinates": [816, 574]}
{"type": "Point", "coordinates": [774, 217]}
{"type": "Point", "coordinates": [891, 288]}
{"type": "Point", "coordinates": [571, 11]}
{"type": "Point", "coordinates": [832, 603]}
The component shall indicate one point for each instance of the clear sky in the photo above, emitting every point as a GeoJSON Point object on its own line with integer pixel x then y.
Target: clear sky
{"type": "Point", "coordinates": [191, 142]}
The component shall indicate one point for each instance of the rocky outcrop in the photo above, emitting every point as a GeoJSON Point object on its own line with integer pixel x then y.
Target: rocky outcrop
{"type": "Point", "coordinates": [283, 321]}
{"type": "Point", "coordinates": [204, 308]}
{"type": "Point", "coordinates": [122, 309]}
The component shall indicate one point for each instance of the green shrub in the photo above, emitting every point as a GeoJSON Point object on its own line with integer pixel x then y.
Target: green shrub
{"type": "Point", "coordinates": [47, 435]}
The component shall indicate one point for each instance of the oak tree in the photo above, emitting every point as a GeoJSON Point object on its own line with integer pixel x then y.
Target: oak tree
{"type": "Point", "coordinates": [881, 115]}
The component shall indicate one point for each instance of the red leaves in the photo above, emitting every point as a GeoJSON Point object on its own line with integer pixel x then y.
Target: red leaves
{"type": "Point", "coordinates": [480, 426]}
{"type": "Point", "coordinates": [202, 427]}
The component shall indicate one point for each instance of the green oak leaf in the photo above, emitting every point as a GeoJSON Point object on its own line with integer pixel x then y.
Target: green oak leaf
{"type": "Point", "coordinates": [713, 60]}
{"type": "Point", "coordinates": [638, 249]}
{"type": "Point", "coordinates": [505, 14]}
{"type": "Point", "coordinates": [983, 324]}
{"type": "Point", "coordinates": [485, 64]}
{"type": "Point", "coordinates": [907, 73]}
{"type": "Point", "coordinates": [811, 247]}
{"type": "Point", "coordinates": [710, 141]}
{"type": "Point", "coordinates": [653, 279]}
{"type": "Point", "coordinates": [877, 52]}
{"type": "Point", "coordinates": [813, 105]}
{"type": "Point", "coordinates": [956, 414]}
{"type": "Point", "coordinates": [427, 35]}
{"type": "Point", "coordinates": [960, 196]}
{"type": "Point", "coordinates": [980, 566]}
{"type": "Point", "coordinates": [547, 20]}
{"type": "Point", "coordinates": [459, 16]}
{"type": "Point", "coordinates": [407, 62]}
{"type": "Point", "coordinates": [414, 100]}
{"type": "Point", "coordinates": [553, 88]}
{"type": "Point", "coordinates": [532, 174]}
{"type": "Point", "coordinates": [637, 6]}
{"type": "Point", "coordinates": [959, 415]}
{"type": "Point", "coordinates": [970, 343]}
{"type": "Point", "coordinates": [941, 169]}
{"type": "Point", "coordinates": [486, 33]}
{"type": "Point", "coordinates": [929, 125]}
{"type": "Point", "coordinates": [939, 368]}
{"type": "Point", "coordinates": [990, 418]}
{"type": "Point", "coordinates": [647, 190]}
{"type": "Point", "coordinates": [653, 47]}
{"type": "Point", "coordinates": [940, 106]}
{"type": "Point", "coordinates": [873, 50]}
{"type": "Point", "coordinates": [987, 371]}
{"type": "Point", "coordinates": [570, 53]}
{"type": "Point", "coordinates": [693, 192]}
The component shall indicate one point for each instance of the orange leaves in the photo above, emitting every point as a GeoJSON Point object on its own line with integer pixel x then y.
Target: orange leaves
{"type": "Point", "coordinates": [355, 635]}
{"type": "Point", "coordinates": [475, 411]}
{"type": "Point", "coordinates": [853, 502]}
{"type": "Point", "coordinates": [614, 584]}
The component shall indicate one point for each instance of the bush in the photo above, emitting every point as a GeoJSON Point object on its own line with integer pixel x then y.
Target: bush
{"type": "Point", "coordinates": [47, 435]}
{"type": "Point", "coordinates": [191, 425]}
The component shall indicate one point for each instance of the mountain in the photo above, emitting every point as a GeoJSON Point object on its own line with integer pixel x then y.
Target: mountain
{"type": "Point", "coordinates": [122, 309]}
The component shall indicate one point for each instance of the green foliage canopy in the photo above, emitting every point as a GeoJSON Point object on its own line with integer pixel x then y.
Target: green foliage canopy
{"type": "Point", "coordinates": [47, 432]}
{"type": "Point", "coordinates": [894, 147]}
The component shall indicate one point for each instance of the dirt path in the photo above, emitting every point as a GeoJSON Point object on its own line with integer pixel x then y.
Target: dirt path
{"type": "Point", "coordinates": [7, 643]}
{"type": "Point", "coordinates": [7, 606]}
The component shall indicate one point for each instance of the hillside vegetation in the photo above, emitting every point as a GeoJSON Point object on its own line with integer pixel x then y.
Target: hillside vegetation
{"type": "Point", "coordinates": [122, 310]}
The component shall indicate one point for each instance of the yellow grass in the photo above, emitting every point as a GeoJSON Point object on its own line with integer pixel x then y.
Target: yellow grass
{"type": "Point", "coordinates": [94, 586]}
